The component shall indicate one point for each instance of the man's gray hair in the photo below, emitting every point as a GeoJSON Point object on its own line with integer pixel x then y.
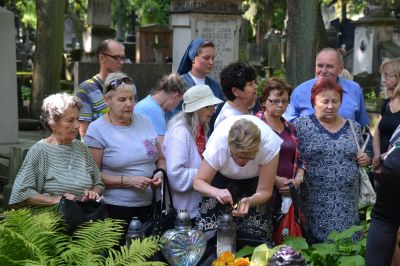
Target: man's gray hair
{"type": "Point", "coordinates": [54, 107]}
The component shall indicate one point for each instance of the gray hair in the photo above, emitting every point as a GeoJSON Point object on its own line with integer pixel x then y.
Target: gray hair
{"type": "Point", "coordinates": [123, 87]}
{"type": "Point", "coordinates": [54, 107]}
{"type": "Point", "coordinates": [171, 83]}
{"type": "Point", "coordinates": [338, 54]}
{"type": "Point", "coordinates": [190, 120]}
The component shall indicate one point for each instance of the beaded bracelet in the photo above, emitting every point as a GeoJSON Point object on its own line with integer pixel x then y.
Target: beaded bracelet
{"type": "Point", "coordinates": [122, 181]}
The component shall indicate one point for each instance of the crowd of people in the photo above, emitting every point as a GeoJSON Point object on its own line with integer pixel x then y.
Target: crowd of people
{"type": "Point", "coordinates": [218, 154]}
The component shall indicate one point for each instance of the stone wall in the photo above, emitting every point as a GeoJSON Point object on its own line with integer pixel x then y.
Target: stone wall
{"type": "Point", "coordinates": [145, 76]}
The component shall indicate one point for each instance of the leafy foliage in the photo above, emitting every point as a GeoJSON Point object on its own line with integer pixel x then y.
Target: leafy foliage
{"type": "Point", "coordinates": [344, 248]}
{"type": "Point", "coordinates": [257, 11]}
{"type": "Point", "coordinates": [30, 237]}
{"type": "Point", "coordinates": [146, 12]}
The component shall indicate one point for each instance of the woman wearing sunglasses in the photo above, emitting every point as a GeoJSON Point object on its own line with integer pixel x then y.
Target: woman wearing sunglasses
{"type": "Point", "coordinates": [125, 148]}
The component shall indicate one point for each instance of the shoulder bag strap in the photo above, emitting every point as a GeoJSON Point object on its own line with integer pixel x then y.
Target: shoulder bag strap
{"type": "Point", "coordinates": [295, 201]}
{"type": "Point", "coordinates": [165, 187]}
{"type": "Point", "coordinates": [354, 134]}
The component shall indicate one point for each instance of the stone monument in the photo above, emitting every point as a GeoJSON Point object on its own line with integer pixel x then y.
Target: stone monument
{"type": "Point", "coordinates": [371, 32]}
{"type": "Point", "coordinates": [153, 44]}
{"type": "Point", "coordinates": [99, 22]}
{"type": "Point", "coordinates": [215, 20]}
{"type": "Point", "coordinates": [8, 77]}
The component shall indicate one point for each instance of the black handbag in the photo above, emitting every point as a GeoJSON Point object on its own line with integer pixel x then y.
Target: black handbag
{"type": "Point", "coordinates": [163, 218]}
{"type": "Point", "coordinates": [75, 213]}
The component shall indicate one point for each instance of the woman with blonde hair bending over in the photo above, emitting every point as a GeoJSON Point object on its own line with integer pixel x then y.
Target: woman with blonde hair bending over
{"type": "Point", "coordinates": [239, 167]}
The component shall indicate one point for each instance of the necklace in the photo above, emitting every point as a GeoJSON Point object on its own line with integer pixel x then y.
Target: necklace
{"type": "Point", "coordinates": [109, 117]}
{"type": "Point", "coordinates": [276, 125]}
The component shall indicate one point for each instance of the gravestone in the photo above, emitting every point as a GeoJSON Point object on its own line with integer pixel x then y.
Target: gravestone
{"type": "Point", "coordinates": [8, 77]}
{"type": "Point", "coordinates": [371, 32]}
{"type": "Point", "coordinates": [153, 44]}
{"type": "Point", "coordinates": [73, 31]}
{"type": "Point", "coordinates": [99, 24]}
{"type": "Point", "coordinates": [145, 76]}
{"type": "Point", "coordinates": [217, 21]}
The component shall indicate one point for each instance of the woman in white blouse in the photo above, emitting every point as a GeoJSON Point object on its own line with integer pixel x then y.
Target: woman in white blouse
{"type": "Point", "coordinates": [238, 170]}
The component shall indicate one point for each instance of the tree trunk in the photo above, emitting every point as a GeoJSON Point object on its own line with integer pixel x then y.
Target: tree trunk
{"type": "Point", "coordinates": [322, 40]}
{"type": "Point", "coordinates": [48, 52]}
{"type": "Point", "coordinates": [301, 40]}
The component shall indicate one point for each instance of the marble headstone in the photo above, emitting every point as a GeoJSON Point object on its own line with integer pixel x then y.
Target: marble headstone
{"type": "Point", "coordinates": [8, 77]}
{"type": "Point", "coordinates": [218, 21]}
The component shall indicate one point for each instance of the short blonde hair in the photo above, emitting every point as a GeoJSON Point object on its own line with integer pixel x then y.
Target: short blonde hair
{"type": "Point", "coordinates": [244, 137]}
{"type": "Point", "coordinates": [122, 87]}
{"type": "Point", "coordinates": [54, 107]}
{"type": "Point", "coordinates": [392, 65]}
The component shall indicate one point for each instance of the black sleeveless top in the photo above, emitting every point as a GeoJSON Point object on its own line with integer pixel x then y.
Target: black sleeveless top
{"type": "Point", "coordinates": [387, 125]}
{"type": "Point", "coordinates": [387, 206]}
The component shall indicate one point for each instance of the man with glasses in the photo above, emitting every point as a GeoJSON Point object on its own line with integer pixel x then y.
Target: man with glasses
{"type": "Point", "coordinates": [111, 57]}
{"type": "Point", "coordinates": [328, 66]}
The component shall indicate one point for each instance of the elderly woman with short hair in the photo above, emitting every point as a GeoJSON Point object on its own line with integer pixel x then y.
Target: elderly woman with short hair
{"type": "Point", "coordinates": [184, 144]}
{"type": "Point", "coordinates": [59, 164]}
{"type": "Point", "coordinates": [327, 145]}
{"type": "Point", "coordinates": [239, 166]}
{"type": "Point", "coordinates": [125, 148]}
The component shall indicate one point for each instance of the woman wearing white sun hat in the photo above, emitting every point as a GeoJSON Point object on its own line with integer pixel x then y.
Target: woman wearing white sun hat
{"type": "Point", "coordinates": [184, 144]}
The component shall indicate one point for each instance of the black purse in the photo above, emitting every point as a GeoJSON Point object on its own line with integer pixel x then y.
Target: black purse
{"type": "Point", "coordinates": [75, 213]}
{"type": "Point", "coordinates": [162, 218]}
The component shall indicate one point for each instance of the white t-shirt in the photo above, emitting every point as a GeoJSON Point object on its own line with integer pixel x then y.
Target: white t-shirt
{"type": "Point", "coordinates": [197, 80]}
{"type": "Point", "coordinates": [217, 152]}
{"type": "Point", "coordinates": [227, 110]}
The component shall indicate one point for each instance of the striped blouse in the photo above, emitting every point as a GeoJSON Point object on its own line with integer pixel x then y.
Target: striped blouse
{"type": "Point", "coordinates": [53, 170]}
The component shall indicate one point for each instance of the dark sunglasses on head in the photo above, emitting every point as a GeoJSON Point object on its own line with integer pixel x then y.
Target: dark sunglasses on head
{"type": "Point", "coordinates": [117, 82]}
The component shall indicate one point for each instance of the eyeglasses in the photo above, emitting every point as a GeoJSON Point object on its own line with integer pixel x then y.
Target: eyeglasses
{"type": "Point", "coordinates": [117, 82]}
{"type": "Point", "coordinates": [277, 102]}
{"type": "Point", "coordinates": [116, 57]}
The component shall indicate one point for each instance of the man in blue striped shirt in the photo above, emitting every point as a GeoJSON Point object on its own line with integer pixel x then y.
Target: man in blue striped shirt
{"type": "Point", "coordinates": [111, 57]}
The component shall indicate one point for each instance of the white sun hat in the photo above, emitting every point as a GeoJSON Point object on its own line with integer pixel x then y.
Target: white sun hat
{"type": "Point", "coordinates": [197, 97]}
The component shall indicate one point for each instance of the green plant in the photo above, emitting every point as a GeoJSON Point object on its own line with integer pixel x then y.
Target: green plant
{"type": "Point", "coordinates": [345, 248]}
{"type": "Point", "coordinates": [30, 237]}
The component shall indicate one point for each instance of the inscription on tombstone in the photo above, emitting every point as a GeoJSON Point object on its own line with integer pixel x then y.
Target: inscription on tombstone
{"type": "Point", "coordinates": [222, 34]}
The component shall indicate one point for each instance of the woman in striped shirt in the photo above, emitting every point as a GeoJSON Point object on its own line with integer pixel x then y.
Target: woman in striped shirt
{"type": "Point", "coordinates": [58, 165]}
